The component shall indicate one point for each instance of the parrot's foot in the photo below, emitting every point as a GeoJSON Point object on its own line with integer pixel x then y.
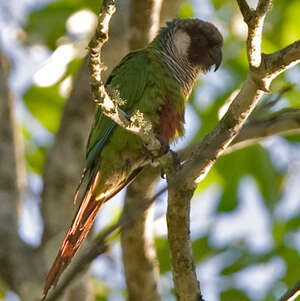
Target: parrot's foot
{"type": "Point", "coordinates": [176, 163]}
{"type": "Point", "coordinates": [176, 159]}
{"type": "Point", "coordinates": [164, 148]}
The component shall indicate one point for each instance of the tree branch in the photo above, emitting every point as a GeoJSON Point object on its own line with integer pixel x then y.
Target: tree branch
{"type": "Point", "coordinates": [19, 265]}
{"type": "Point", "coordinates": [169, 10]}
{"type": "Point", "coordinates": [292, 293]}
{"type": "Point", "coordinates": [182, 183]}
{"type": "Point", "coordinates": [184, 274]}
{"type": "Point", "coordinates": [281, 60]}
{"type": "Point", "coordinates": [255, 20]}
{"type": "Point", "coordinates": [144, 22]}
{"type": "Point", "coordinates": [137, 241]}
{"type": "Point", "coordinates": [285, 122]}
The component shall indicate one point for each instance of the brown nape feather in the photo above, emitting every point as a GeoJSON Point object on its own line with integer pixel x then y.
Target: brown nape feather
{"type": "Point", "coordinates": [78, 231]}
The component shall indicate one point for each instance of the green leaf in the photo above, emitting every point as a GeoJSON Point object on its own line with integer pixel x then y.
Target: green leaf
{"type": "Point", "coordinates": [279, 231]}
{"type": "Point", "coordinates": [46, 105]}
{"type": "Point", "coordinates": [293, 224]}
{"type": "Point", "coordinates": [292, 261]}
{"type": "Point", "coordinates": [242, 259]}
{"type": "Point", "coordinates": [73, 67]}
{"type": "Point", "coordinates": [290, 28]}
{"type": "Point", "coordinates": [293, 138]}
{"type": "Point", "coordinates": [212, 177]}
{"type": "Point", "coordinates": [293, 96]}
{"type": "Point", "coordinates": [254, 161]}
{"type": "Point", "coordinates": [48, 24]}
{"type": "Point", "coordinates": [163, 254]}
{"type": "Point", "coordinates": [35, 158]}
{"type": "Point", "coordinates": [186, 10]}
{"type": "Point", "coordinates": [218, 3]}
{"type": "Point", "coordinates": [233, 295]}
{"type": "Point", "coordinates": [202, 249]}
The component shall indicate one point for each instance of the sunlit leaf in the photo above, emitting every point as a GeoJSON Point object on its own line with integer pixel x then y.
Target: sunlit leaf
{"type": "Point", "coordinates": [233, 294]}
{"type": "Point", "coordinates": [292, 261]}
{"type": "Point", "coordinates": [36, 159]}
{"type": "Point", "coordinates": [202, 250]}
{"type": "Point", "coordinates": [186, 10]}
{"type": "Point", "coordinates": [254, 161]}
{"type": "Point", "coordinates": [290, 29]}
{"type": "Point", "coordinates": [46, 105]}
{"type": "Point", "coordinates": [162, 248]}
{"type": "Point", "coordinates": [48, 24]}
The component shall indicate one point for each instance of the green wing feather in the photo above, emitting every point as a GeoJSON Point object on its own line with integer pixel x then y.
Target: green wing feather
{"type": "Point", "coordinates": [129, 78]}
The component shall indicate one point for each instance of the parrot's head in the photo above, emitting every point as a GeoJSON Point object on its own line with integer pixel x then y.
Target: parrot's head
{"type": "Point", "coordinates": [195, 41]}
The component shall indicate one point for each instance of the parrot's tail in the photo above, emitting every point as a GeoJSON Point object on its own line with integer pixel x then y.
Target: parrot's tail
{"type": "Point", "coordinates": [78, 231]}
{"type": "Point", "coordinates": [80, 227]}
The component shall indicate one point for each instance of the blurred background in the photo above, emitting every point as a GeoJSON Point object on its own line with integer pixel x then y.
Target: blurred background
{"type": "Point", "coordinates": [245, 218]}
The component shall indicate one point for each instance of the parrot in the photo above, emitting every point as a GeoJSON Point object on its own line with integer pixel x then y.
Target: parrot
{"type": "Point", "coordinates": [156, 80]}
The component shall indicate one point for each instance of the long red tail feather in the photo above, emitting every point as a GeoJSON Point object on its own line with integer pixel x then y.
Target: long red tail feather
{"type": "Point", "coordinates": [78, 231]}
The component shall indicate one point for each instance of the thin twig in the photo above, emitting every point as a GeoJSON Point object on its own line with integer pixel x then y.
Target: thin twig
{"type": "Point", "coordinates": [292, 293]}
{"type": "Point", "coordinates": [270, 102]}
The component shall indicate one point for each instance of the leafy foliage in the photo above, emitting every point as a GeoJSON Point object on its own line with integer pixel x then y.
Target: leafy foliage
{"type": "Point", "coordinates": [47, 25]}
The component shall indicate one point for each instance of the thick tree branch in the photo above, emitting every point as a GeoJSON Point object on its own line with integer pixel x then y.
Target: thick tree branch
{"type": "Point", "coordinates": [144, 22]}
{"type": "Point", "coordinates": [186, 284]}
{"type": "Point", "coordinates": [228, 128]}
{"type": "Point", "coordinates": [182, 183]}
{"type": "Point", "coordinates": [19, 265]}
{"type": "Point", "coordinates": [137, 241]}
{"type": "Point", "coordinates": [169, 10]}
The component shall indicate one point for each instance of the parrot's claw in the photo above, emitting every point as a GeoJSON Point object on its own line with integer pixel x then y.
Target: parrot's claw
{"type": "Point", "coordinates": [164, 145]}
{"type": "Point", "coordinates": [164, 148]}
{"type": "Point", "coordinates": [176, 163]}
{"type": "Point", "coordinates": [176, 159]}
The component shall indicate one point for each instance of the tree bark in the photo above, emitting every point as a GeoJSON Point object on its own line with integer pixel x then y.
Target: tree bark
{"type": "Point", "coordinates": [137, 241]}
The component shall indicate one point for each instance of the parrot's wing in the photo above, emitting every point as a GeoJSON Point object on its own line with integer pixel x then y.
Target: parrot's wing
{"type": "Point", "coordinates": [129, 78]}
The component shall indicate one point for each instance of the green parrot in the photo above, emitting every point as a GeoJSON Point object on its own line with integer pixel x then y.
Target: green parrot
{"type": "Point", "coordinates": [156, 80]}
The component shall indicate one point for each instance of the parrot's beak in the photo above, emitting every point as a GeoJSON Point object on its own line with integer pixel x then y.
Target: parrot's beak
{"type": "Point", "coordinates": [216, 55]}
